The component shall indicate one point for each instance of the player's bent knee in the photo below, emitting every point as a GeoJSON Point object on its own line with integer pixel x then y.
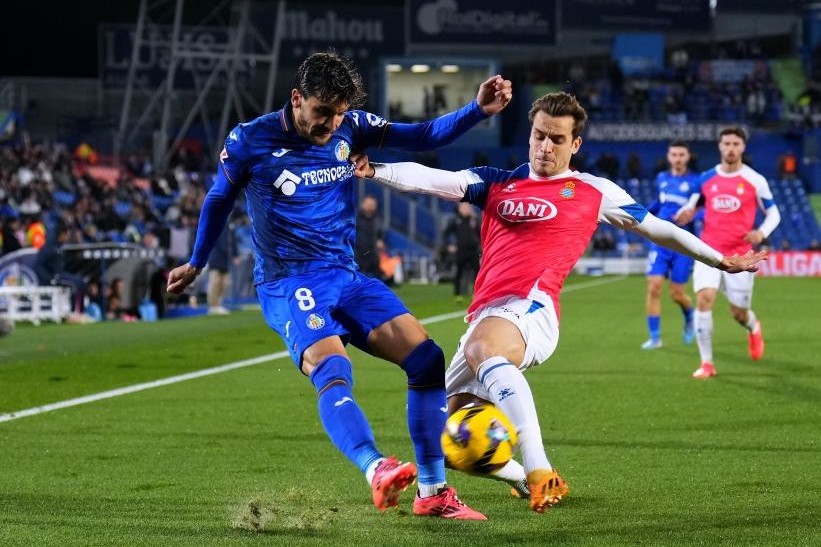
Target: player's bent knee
{"type": "Point", "coordinates": [333, 370]}
{"type": "Point", "coordinates": [425, 365]}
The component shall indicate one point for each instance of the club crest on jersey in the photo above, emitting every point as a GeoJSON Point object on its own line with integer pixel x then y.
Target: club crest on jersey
{"type": "Point", "coordinates": [725, 203]}
{"type": "Point", "coordinates": [528, 209]}
{"type": "Point", "coordinates": [510, 187]}
{"type": "Point", "coordinates": [315, 322]}
{"type": "Point", "coordinates": [683, 187]}
{"type": "Point", "coordinates": [740, 189]}
{"type": "Point", "coordinates": [569, 190]}
{"type": "Point", "coordinates": [342, 150]}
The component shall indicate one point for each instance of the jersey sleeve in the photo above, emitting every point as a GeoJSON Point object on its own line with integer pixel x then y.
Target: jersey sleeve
{"type": "Point", "coordinates": [373, 130]}
{"type": "Point", "coordinates": [478, 190]}
{"type": "Point", "coordinates": [762, 188]}
{"type": "Point", "coordinates": [618, 207]}
{"type": "Point", "coordinates": [235, 156]}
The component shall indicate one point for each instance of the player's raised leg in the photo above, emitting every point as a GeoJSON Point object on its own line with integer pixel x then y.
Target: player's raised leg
{"type": "Point", "coordinates": [403, 340]}
{"type": "Point", "coordinates": [492, 347]}
{"type": "Point", "coordinates": [345, 423]}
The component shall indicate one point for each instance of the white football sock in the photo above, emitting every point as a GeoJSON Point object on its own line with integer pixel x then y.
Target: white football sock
{"type": "Point", "coordinates": [751, 319]}
{"type": "Point", "coordinates": [703, 321]}
{"type": "Point", "coordinates": [511, 473]}
{"type": "Point", "coordinates": [371, 470]}
{"type": "Point", "coordinates": [510, 392]}
{"type": "Point", "coordinates": [428, 490]}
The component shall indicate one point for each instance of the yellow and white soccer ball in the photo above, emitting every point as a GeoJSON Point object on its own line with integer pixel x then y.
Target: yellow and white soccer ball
{"type": "Point", "coordinates": [478, 439]}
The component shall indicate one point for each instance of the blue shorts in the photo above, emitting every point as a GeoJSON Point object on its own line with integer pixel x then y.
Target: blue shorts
{"type": "Point", "coordinates": [304, 309]}
{"type": "Point", "coordinates": [666, 263]}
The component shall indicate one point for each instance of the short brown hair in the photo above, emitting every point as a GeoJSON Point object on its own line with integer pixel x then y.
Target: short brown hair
{"type": "Point", "coordinates": [679, 144]}
{"type": "Point", "coordinates": [736, 130]}
{"type": "Point", "coordinates": [561, 104]}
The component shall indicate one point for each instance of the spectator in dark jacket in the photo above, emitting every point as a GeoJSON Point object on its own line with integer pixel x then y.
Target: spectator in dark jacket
{"type": "Point", "coordinates": [50, 266]}
{"type": "Point", "coordinates": [462, 237]}
{"type": "Point", "coordinates": [368, 238]}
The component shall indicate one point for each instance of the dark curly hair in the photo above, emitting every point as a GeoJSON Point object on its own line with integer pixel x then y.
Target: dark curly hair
{"type": "Point", "coordinates": [561, 104]}
{"type": "Point", "coordinates": [330, 77]}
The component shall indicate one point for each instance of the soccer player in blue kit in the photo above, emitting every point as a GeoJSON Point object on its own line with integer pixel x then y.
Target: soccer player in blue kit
{"type": "Point", "coordinates": [674, 189]}
{"type": "Point", "coordinates": [301, 194]}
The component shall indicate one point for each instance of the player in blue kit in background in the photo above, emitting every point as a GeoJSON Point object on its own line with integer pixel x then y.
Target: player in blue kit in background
{"type": "Point", "coordinates": [300, 189]}
{"type": "Point", "coordinates": [674, 189]}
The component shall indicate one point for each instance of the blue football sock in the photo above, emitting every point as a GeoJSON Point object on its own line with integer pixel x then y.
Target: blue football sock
{"type": "Point", "coordinates": [688, 316]}
{"type": "Point", "coordinates": [344, 421]}
{"type": "Point", "coordinates": [654, 326]}
{"type": "Point", "coordinates": [427, 409]}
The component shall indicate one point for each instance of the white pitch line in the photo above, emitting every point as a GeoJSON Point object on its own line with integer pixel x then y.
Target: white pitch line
{"type": "Point", "coordinates": [217, 370]}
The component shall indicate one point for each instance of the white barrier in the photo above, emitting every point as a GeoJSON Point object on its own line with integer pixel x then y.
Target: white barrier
{"type": "Point", "coordinates": [35, 304]}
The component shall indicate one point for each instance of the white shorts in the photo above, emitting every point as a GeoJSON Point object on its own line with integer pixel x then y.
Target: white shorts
{"type": "Point", "coordinates": [535, 317]}
{"type": "Point", "coordinates": [738, 287]}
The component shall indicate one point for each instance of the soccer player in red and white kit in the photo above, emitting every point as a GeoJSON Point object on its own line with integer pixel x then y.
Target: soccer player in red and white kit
{"type": "Point", "coordinates": [733, 193]}
{"type": "Point", "coordinates": [538, 220]}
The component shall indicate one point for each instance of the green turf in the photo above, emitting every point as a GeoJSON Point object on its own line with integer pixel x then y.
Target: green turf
{"type": "Point", "coordinates": [815, 201]}
{"type": "Point", "coordinates": [652, 456]}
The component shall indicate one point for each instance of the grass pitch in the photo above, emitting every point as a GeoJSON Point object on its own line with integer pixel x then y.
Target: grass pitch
{"type": "Point", "coordinates": [240, 458]}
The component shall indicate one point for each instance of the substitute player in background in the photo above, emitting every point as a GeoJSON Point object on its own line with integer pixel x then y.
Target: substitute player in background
{"type": "Point", "coordinates": [538, 220]}
{"type": "Point", "coordinates": [733, 193]}
{"type": "Point", "coordinates": [674, 189]}
{"type": "Point", "coordinates": [301, 194]}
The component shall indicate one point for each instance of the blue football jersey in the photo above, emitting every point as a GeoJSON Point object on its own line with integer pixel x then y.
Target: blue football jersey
{"type": "Point", "coordinates": [301, 197]}
{"type": "Point", "coordinates": [673, 192]}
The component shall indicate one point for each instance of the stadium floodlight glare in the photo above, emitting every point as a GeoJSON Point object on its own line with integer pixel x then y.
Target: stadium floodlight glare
{"type": "Point", "coordinates": [393, 67]}
{"type": "Point", "coordinates": [449, 69]}
{"type": "Point", "coordinates": [420, 68]}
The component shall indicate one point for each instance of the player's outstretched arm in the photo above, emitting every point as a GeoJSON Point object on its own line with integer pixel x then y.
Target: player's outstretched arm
{"type": "Point", "coordinates": [413, 177]}
{"type": "Point", "coordinates": [215, 211]}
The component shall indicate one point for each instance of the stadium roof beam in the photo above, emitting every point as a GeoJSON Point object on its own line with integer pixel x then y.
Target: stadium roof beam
{"type": "Point", "coordinates": [246, 46]}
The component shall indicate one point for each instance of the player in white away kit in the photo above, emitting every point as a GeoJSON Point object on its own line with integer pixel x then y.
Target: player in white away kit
{"type": "Point", "coordinates": [538, 220]}
{"type": "Point", "coordinates": [733, 193]}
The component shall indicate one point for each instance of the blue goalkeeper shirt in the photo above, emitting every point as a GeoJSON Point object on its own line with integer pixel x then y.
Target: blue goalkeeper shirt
{"type": "Point", "coordinates": [301, 197]}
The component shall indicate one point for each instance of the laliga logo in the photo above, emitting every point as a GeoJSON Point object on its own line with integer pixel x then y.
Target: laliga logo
{"type": "Point", "coordinates": [526, 210]}
{"type": "Point", "coordinates": [725, 203]}
{"type": "Point", "coordinates": [431, 17]}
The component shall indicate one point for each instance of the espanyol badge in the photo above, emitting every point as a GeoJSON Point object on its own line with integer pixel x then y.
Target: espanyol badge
{"type": "Point", "coordinates": [342, 150]}
{"type": "Point", "coordinates": [315, 322]}
{"type": "Point", "coordinates": [567, 192]}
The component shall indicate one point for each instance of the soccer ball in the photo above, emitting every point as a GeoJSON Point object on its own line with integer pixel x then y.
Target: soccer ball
{"type": "Point", "coordinates": [478, 439]}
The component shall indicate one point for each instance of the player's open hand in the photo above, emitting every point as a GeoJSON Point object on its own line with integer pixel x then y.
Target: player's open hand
{"type": "Point", "coordinates": [494, 94]}
{"type": "Point", "coordinates": [747, 262]}
{"type": "Point", "coordinates": [180, 277]}
{"type": "Point", "coordinates": [684, 216]}
{"type": "Point", "coordinates": [754, 236]}
{"type": "Point", "coordinates": [362, 165]}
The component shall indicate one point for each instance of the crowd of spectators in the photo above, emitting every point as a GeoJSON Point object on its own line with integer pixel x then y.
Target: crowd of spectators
{"type": "Point", "coordinates": [733, 83]}
{"type": "Point", "coordinates": [46, 189]}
